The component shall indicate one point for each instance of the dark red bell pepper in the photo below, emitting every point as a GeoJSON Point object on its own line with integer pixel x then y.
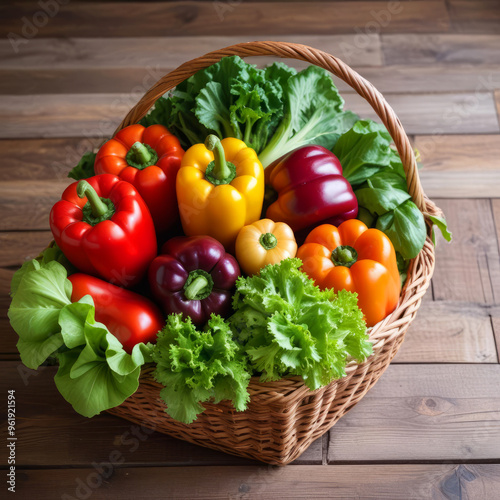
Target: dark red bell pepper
{"type": "Point", "coordinates": [104, 228]}
{"type": "Point", "coordinates": [194, 276]}
{"type": "Point", "coordinates": [148, 158]}
{"type": "Point", "coordinates": [130, 317]}
{"type": "Point", "coordinates": [311, 189]}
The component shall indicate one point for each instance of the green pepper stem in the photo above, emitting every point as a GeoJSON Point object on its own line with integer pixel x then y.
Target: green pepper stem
{"type": "Point", "coordinates": [221, 169]}
{"type": "Point", "coordinates": [268, 240]}
{"type": "Point", "coordinates": [98, 207]}
{"type": "Point", "coordinates": [344, 255]}
{"type": "Point", "coordinates": [196, 287]}
{"type": "Point", "coordinates": [140, 153]}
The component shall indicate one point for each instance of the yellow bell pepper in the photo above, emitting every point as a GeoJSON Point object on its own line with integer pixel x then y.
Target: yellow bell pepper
{"type": "Point", "coordinates": [220, 189]}
{"type": "Point", "coordinates": [264, 242]}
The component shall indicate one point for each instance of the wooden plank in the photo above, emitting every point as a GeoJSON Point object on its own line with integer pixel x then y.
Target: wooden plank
{"type": "Point", "coordinates": [83, 442]}
{"type": "Point", "coordinates": [391, 482]}
{"type": "Point", "coordinates": [471, 16]}
{"type": "Point", "coordinates": [387, 79]}
{"type": "Point", "coordinates": [42, 159]}
{"type": "Point", "coordinates": [8, 338]}
{"type": "Point", "coordinates": [423, 412]}
{"type": "Point", "coordinates": [20, 212]}
{"type": "Point", "coordinates": [438, 48]}
{"type": "Point", "coordinates": [150, 53]}
{"type": "Point", "coordinates": [206, 18]}
{"type": "Point", "coordinates": [468, 269]}
{"type": "Point", "coordinates": [97, 115]}
{"type": "Point", "coordinates": [87, 115]}
{"type": "Point", "coordinates": [16, 247]}
{"type": "Point", "coordinates": [497, 99]}
{"type": "Point", "coordinates": [449, 332]}
{"type": "Point", "coordinates": [460, 166]}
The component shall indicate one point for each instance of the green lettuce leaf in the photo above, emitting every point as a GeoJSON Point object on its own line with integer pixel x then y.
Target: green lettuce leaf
{"type": "Point", "coordinates": [313, 114]}
{"type": "Point", "coordinates": [197, 366]}
{"type": "Point", "coordinates": [34, 311]}
{"type": "Point", "coordinates": [95, 373]}
{"type": "Point", "coordinates": [288, 326]}
{"type": "Point", "coordinates": [363, 150]}
{"type": "Point", "coordinates": [85, 167]}
{"type": "Point", "coordinates": [99, 374]}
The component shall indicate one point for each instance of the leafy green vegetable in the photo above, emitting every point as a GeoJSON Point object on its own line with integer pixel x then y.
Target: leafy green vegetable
{"type": "Point", "coordinates": [440, 222]}
{"type": "Point", "coordinates": [34, 312]}
{"type": "Point", "coordinates": [405, 226]}
{"type": "Point", "coordinates": [287, 326]}
{"type": "Point", "coordinates": [85, 167]}
{"type": "Point", "coordinates": [198, 366]}
{"type": "Point", "coordinates": [95, 373]}
{"type": "Point", "coordinates": [312, 115]}
{"type": "Point", "coordinates": [52, 253]}
{"type": "Point", "coordinates": [377, 175]}
{"type": "Point", "coordinates": [230, 98]}
{"type": "Point", "coordinates": [98, 374]}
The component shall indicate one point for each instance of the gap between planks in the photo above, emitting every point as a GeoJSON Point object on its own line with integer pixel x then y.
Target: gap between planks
{"type": "Point", "coordinates": [412, 482]}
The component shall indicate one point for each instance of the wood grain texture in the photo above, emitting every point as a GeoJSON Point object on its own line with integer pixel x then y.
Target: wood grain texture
{"type": "Point", "coordinates": [18, 213]}
{"type": "Point", "coordinates": [470, 16]}
{"type": "Point", "coordinates": [423, 412]}
{"type": "Point", "coordinates": [97, 115]}
{"type": "Point", "coordinates": [468, 270]}
{"type": "Point", "coordinates": [387, 79]}
{"type": "Point", "coordinates": [368, 482]}
{"type": "Point", "coordinates": [449, 332]}
{"type": "Point", "coordinates": [16, 247]}
{"type": "Point", "coordinates": [438, 48]}
{"type": "Point", "coordinates": [460, 166]}
{"type": "Point", "coordinates": [148, 53]}
{"type": "Point", "coordinates": [82, 441]}
{"type": "Point", "coordinates": [497, 99]}
{"type": "Point", "coordinates": [8, 338]}
{"type": "Point", "coordinates": [43, 159]}
{"type": "Point", "coordinates": [211, 18]}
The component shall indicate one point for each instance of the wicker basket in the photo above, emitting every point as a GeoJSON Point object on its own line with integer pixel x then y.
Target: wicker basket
{"type": "Point", "coordinates": [285, 417]}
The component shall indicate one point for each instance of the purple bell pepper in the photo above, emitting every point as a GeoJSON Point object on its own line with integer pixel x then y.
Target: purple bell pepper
{"type": "Point", "coordinates": [194, 276]}
{"type": "Point", "coordinates": [311, 189]}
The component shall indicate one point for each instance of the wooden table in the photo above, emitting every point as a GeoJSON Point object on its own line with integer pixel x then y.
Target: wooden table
{"type": "Point", "coordinates": [431, 426]}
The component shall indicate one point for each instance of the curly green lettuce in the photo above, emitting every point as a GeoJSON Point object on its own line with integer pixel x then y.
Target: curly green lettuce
{"type": "Point", "coordinates": [288, 326]}
{"type": "Point", "coordinates": [198, 366]}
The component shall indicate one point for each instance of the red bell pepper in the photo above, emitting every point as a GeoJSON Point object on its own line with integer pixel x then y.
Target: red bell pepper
{"type": "Point", "coordinates": [130, 317]}
{"type": "Point", "coordinates": [311, 189]}
{"type": "Point", "coordinates": [194, 276]}
{"type": "Point", "coordinates": [104, 228]}
{"type": "Point", "coordinates": [148, 158]}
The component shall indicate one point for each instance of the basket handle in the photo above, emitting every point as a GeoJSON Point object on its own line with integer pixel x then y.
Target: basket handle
{"type": "Point", "coordinates": [314, 56]}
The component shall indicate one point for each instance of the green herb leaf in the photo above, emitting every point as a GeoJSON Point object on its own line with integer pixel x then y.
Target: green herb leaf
{"type": "Point", "coordinates": [405, 226]}
{"type": "Point", "coordinates": [442, 225]}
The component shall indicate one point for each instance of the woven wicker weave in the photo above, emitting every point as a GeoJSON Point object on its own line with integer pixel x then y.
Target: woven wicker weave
{"type": "Point", "coordinates": [285, 417]}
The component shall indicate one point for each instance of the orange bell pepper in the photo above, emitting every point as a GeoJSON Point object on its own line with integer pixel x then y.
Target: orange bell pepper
{"type": "Point", "coordinates": [264, 242]}
{"type": "Point", "coordinates": [354, 258]}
